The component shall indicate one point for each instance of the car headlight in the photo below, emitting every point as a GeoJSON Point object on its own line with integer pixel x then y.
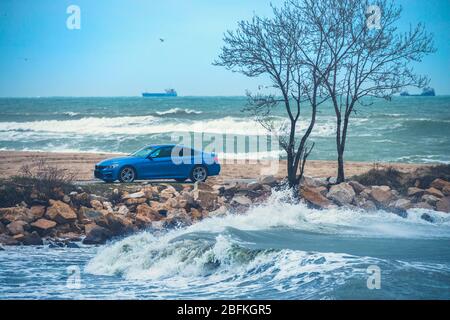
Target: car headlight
{"type": "Point", "coordinates": [112, 166]}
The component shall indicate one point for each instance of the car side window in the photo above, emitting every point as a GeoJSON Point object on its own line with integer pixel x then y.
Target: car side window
{"type": "Point", "coordinates": [162, 152]}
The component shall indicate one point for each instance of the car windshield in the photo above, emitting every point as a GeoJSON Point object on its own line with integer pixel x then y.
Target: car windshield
{"type": "Point", "coordinates": [143, 152]}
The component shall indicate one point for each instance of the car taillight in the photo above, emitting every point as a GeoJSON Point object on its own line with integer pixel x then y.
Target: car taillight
{"type": "Point", "coordinates": [216, 159]}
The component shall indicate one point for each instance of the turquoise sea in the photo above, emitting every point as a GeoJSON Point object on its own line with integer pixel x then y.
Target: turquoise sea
{"type": "Point", "coordinates": [277, 250]}
{"type": "Point", "coordinates": [406, 129]}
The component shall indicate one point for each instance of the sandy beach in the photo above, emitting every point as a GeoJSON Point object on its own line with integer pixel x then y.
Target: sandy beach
{"type": "Point", "coordinates": [82, 165]}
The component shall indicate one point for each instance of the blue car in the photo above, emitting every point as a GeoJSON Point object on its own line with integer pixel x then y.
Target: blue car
{"type": "Point", "coordinates": [159, 162]}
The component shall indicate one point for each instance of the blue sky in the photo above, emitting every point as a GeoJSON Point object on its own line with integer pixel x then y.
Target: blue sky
{"type": "Point", "coordinates": [117, 51]}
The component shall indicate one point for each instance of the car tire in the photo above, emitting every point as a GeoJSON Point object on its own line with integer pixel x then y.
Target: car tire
{"type": "Point", "coordinates": [199, 174]}
{"type": "Point", "coordinates": [127, 174]}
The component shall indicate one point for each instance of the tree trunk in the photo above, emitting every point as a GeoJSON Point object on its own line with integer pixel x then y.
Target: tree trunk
{"type": "Point", "coordinates": [341, 173]}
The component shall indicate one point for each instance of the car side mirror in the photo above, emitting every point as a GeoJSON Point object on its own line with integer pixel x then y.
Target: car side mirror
{"type": "Point", "coordinates": [150, 157]}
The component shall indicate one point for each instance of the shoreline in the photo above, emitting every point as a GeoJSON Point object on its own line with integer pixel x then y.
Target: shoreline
{"type": "Point", "coordinates": [83, 165]}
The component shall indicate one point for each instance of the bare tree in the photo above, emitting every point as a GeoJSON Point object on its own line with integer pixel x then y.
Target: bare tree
{"type": "Point", "coordinates": [270, 47]}
{"type": "Point", "coordinates": [364, 59]}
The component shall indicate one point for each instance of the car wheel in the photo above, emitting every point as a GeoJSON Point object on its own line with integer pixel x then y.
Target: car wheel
{"type": "Point", "coordinates": [127, 175]}
{"type": "Point", "coordinates": [180, 180]}
{"type": "Point", "coordinates": [199, 173]}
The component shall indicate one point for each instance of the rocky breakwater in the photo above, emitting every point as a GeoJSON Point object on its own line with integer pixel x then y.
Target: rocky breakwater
{"type": "Point", "coordinates": [319, 193]}
{"type": "Point", "coordinates": [95, 219]}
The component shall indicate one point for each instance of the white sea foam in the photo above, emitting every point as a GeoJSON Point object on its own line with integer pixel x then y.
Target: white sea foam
{"type": "Point", "coordinates": [139, 125]}
{"type": "Point", "coordinates": [180, 260]}
{"type": "Point", "coordinates": [178, 111]}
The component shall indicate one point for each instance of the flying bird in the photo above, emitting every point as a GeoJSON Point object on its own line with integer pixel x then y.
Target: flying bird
{"type": "Point", "coordinates": [161, 39]}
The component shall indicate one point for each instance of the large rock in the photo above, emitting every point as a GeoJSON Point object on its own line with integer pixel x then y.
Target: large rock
{"type": "Point", "coordinates": [37, 211]}
{"type": "Point", "coordinates": [440, 184]}
{"type": "Point", "coordinates": [358, 187]}
{"type": "Point", "coordinates": [97, 235]}
{"type": "Point", "coordinates": [443, 205]}
{"type": "Point", "coordinates": [241, 200]}
{"type": "Point", "coordinates": [434, 192]}
{"type": "Point", "coordinates": [382, 196]}
{"type": "Point", "coordinates": [8, 240]}
{"type": "Point", "coordinates": [428, 198]}
{"type": "Point", "coordinates": [8, 215]}
{"type": "Point", "coordinates": [314, 197]}
{"type": "Point", "coordinates": [96, 204]}
{"type": "Point", "coordinates": [446, 191]}
{"type": "Point", "coordinates": [314, 182]}
{"type": "Point", "coordinates": [17, 227]}
{"type": "Point", "coordinates": [60, 212]}
{"type": "Point", "coordinates": [342, 193]}
{"type": "Point", "coordinates": [135, 201]}
{"type": "Point", "coordinates": [43, 225]}
{"type": "Point", "coordinates": [365, 203]}
{"type": "Point", "coordinates": [270, 180]}
{"type": "Point", "coordinates": [402, 204]}
{"type": "Point", "coordinates": [119, 225]}
{"type": "Point", "coordinates": [423, 205]}
{"type": "Point", "coordinates": [135, 195]}
{"type": "Point", "coordinates": [32, 239]}
{"type": "Point", "coordinates": [415, 192]}
{"type": "Point", "coordinates": [206, 199]}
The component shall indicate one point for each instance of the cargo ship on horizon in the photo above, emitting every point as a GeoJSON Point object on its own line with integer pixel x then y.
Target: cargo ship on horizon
{"type": "Point", "coordinates": [167, 93]}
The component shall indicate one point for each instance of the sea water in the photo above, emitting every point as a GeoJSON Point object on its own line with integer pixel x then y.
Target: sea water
{"type": "Point", "coordinates": [277, 250]}
{"type": "Point", "coordinates": [406, 129]}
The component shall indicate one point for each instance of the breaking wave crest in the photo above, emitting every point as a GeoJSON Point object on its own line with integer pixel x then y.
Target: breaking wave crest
{"type": "Point", "coordinates": [280, 246]}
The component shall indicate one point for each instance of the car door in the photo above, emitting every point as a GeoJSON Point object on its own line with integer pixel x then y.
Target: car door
{"type": "Point", "coordinates": [162, 165]}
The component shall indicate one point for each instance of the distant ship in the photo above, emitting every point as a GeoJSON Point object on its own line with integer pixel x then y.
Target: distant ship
{"type": "Point", "coordinates": [426, 92]}
{"type": "Point", "coordinates": [167, 93]}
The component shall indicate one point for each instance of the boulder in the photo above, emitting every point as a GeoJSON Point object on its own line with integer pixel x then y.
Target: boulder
{"type": "Point", "coordinates": [342, 193]}
{"type": "Point", "coordinates": [253, 186]}
{"type": "Point", "coordinates": [314, 182]}
{"type": "Point", "coordinates": [135, 201]}
{"type": "Point", "coordinates": [3, 228]}
{"type": "Point", "coordinates": [314, 197]}
{"type": "Point", "coordinates": [423, 205]}
{"type": "Point", "coordinates": [381, 196]}
{"type": "Point", "coordinates": [241, 200]}
{"type": "Point", "coordinates": [135, 195]}
{"type": "Point", "coordinates": [8, 240]}
{"type": "Point", "coordinates": [440, 184]}
{"type": "Point", "coordinates": [358, 187]}
{"type": "Point", "coordinates": [221, 211]}
{"type": "Point", "coordinates": [37, 211]}
{"type": "Point", "coordinates": [32, 239]}
{"type": "Point", "coordinates": [415, 192]}
{"type": "Point", "coordinates": [8, 215]}
{"type": "Point", "coordinates": [97, 235]}
{"type": "Point", "coordinates": [123, 210]}
{"type": "Point", "coordinates": [60, 212]}
{"type": "Point", "coordinates": [203, 186]}
{"type": "Point", "coordinates": [17, 227]}
{"type": "Point", "coordinates": [119, 225]}
{"type": "Point", "coordinates": [196, 214]}
{"type": "Point", "coordinates": [366, 204]}
{"type": "Point", "coordinates": [434, 192]}
{"type": "Point", "coordinates": [443, 205]}
{"type": "Point", "coordinates": [96, 204]}
{"type": "Point", "coordinates": [446, 191]}
{"type": "Point", "coordinates": [428, 198]}
{"type": "Point", "coordinates": [206, 199]}
{"type": "Point", "coordinates": [270, 180]}
{"type": "Point", "coordinates": [402, 204]}
{"type": "Point", "coordinates": [43, 225]}
{"type": "Point", "coordinates": [427, 217]}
